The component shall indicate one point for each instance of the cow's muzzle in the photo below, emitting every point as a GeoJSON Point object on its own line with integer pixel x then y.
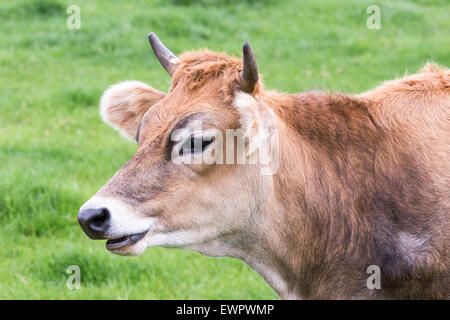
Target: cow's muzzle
{"type": "Point", "coordinates": [95, 222]}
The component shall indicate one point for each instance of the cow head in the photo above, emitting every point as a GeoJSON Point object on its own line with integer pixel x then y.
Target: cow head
{"type": "Point", "coordinates": [170, 193]}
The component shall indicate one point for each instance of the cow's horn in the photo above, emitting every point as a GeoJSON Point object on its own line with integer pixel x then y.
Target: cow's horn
{"type": "Point", "coordinates": [167, 59]}
{"type": "Point", "coordinates": [249, 73]}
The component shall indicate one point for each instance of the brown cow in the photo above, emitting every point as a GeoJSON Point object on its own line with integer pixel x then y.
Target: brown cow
{"type": "Point", "coordinates": [358, 206]}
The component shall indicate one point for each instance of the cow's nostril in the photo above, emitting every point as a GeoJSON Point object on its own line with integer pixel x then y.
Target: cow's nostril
{"type": "Point", "coordinates": [95, 222]}
{"type": "Point", "coordinates": [100, 219]}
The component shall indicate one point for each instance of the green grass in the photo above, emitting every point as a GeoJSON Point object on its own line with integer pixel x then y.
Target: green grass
{"type": "Point", "coordinates": [55, 152]}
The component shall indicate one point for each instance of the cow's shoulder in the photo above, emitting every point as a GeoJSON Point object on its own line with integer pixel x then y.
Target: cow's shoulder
{"type": "Point", "coordinates": [431, 78]}
{"type": "Point", "coordinates": [418, 102]}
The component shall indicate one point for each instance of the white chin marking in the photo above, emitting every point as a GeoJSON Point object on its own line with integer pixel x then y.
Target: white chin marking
{"type": "Point", "coordinates": [134, 250]}
{"type": "Point", "coordinates": [174, 239]}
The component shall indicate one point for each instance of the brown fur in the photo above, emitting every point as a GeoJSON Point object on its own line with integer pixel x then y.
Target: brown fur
{"type": "Point", "coordinates": [358, 175]}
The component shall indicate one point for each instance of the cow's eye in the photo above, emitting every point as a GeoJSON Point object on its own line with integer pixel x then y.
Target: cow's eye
{"type": "Point", "coordinates": [195, 144]}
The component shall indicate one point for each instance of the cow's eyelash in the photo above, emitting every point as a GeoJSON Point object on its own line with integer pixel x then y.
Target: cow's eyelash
{"type": "Point", "coordinates": [190, 144]}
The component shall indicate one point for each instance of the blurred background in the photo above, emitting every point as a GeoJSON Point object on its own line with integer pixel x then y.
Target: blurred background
{"type": "Point", "coordinates": [55, 152]}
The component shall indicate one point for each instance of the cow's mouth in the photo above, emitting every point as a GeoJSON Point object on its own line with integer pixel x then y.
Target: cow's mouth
{"type": "Point", "coordinates": [125, 241]}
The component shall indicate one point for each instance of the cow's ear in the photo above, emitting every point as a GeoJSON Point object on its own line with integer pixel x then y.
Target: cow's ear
{"type": "Point", "coordinates": [123, 105]}
{"type": "Point", "coordinates": [259, 125]}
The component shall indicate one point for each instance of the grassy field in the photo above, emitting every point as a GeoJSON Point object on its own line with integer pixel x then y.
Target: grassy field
{"type": "Point", "coordinates": [55, 152]}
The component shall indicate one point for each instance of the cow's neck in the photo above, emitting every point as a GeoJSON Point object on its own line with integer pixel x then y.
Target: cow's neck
{"type": "Point", "coordinates": [295, 241]}
{"type": "Point", "coordinates": [292, 244]}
